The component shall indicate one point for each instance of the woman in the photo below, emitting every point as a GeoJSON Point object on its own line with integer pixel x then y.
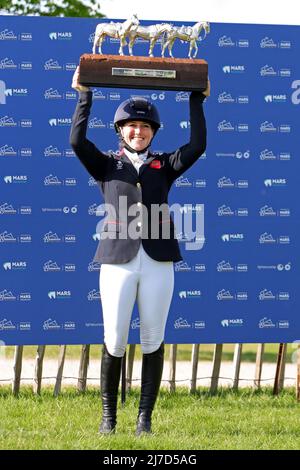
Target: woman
{"type": "Point", "coordinates": [134, 264]}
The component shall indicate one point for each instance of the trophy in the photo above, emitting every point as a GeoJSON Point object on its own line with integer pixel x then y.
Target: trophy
{"type": "Point", "coordinates": [129, 71]}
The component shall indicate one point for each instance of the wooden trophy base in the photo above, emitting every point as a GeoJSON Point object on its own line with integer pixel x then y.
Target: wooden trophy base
{"type": "Point", "coordinates": [143, 72]}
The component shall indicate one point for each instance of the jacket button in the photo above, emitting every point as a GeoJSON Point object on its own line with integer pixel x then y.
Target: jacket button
{"type": "Point", "coordinates": [138, 185]}
{"type": "Point", "coordinates": [139, 224]}
{"type": "Point", "coordinates": [139, 204]}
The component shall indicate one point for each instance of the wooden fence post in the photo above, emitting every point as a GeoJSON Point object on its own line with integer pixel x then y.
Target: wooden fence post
{"type": "Point", "coordinates": [216, 368]}
{"type": "Point", "coordinates": [237, 365]}
{"type": "Point", "coordinates": [279, 367]}
{"type": "Point", "coordinates": [282, 368]}
{"type": "Point", "coordinates": [61, 362]}
{"type": "Point", "coordinates": [130, 362]}
{"type": "Point", "coordinates": [259, 364]}
{"type": "Point", "coordinates": [17, 369]}
{"type": "Point", "coordinates": [172, 372]}
{"type": "Point", "coordinates": [38, 370]}
{"type": "Point", "coordinates": [195, 358]}
{"type": "Point", "coordinates": [83, 368]}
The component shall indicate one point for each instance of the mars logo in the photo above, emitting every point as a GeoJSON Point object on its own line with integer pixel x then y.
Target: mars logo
{"type": "Point", "coordinates": [226, 323]}
{"type": "Point", "coordinates": [233, 68]}
{"type": "Point", "coordinates": [54, 36]}
{"type": "Point", "coordinates": [58, 295]}
{"type": "Point", "coordinates": [60, 122]}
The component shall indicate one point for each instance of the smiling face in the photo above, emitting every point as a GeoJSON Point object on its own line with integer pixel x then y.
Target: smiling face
{"type": "Point", "coordinates": [137, 134]}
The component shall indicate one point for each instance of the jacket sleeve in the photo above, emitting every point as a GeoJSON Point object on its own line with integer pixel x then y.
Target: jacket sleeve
{"type": "Point", "coordinates": [184, 157]}
{"type": "Point", "coordinates": [93, 159]}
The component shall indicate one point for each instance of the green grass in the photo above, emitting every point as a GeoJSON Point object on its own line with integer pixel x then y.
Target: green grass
{"type": "Point", "coordinates": [183, 352]}
{"type": "Point", "coordinates": [245, 419]}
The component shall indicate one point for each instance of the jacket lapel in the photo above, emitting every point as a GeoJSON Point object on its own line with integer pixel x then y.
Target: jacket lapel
{"type": "Point", "coordinates": [146, 163]}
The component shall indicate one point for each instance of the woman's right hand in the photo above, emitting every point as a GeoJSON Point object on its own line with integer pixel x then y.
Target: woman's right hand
{"type": "Point", "coordinates": [75, 83]}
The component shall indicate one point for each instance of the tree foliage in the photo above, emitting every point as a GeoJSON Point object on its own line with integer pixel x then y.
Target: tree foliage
{"type": "Point", "coordinates": [81, 8]}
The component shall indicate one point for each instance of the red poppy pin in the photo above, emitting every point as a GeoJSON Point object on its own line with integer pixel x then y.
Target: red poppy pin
{"type": "Point", "coordinates": [155, 164]}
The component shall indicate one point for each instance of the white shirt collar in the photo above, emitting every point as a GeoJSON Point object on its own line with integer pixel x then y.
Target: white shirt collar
{"type": "Point", "coordinates": [135, 156]}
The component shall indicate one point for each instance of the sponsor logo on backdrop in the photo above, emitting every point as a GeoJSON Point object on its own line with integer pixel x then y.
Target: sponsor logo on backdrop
{"type": "Point", "coordinates": [225, 183]}
{"type": "Point", "coordinates": [9, 296]}
{"type": "Point", "coordinates": [239, 155]}
{"type": "Point", "coordinates": [268, 127]}
{"type": "Point", "coordinates": [8, 64]}
{"type": "Point", "coordinates": [234, 69]}
{"type": "Point", "coordinates": [52, 237]}
{"type": "Point", "coordinates": [269, 43]}
{"type": "Point", "coordinates": [96, 123]}
{"type": "Point", "coordinates": [190, 294]}
{"type": "Point", "coordinates": [15, 179]}
{"type": "Point", "coordinates": [94, 266]}
{"type": "Point", "coordinates": [9, 35]}
{"type": "Point", "coordinates": [267, 322]}
{"type": "Point", "coordinates": [52, 180]}
{"type": "Point", "coordinates": [60, 36]}
{"type": "Point", "coordinates": [268, 211]}
{"type": "Point", "coordinates": [93, 295]}
{"type": "Point", "coordinates": [181, 323]}
{"type": "Point", "coordinates": [15, 265]}
{"type": "Point", "coordinates": [280, 267]}
{"type": "Point", "coordinates": [51, 325]}
{"type": "Point", "coordinates": [182, 96]}
{"type": "Point", "coordinates": [7, 325]}
{"type": "Point", "coordinates": [232, 322]}
{"type": "Point", "coordinates": [268, 239]}
{"type": "Point", "coordinates": [63, 210]}
{"type": "Point", "coordinates": [267, 154]}
{"type": "Point", "coordinates": [227, 126]}
{"type": "Point", "coordinates": [226, 97]}
{"type": "Point", "coordinates": [275, 99]}
{"type": "Point", "coordinates": [226, 211]}
{"type": "Point", "coordinates": [59, 295]}
{"type": "Point", "coordinates": [226, 41]}
{"type": "Point", "coordinates": [60, 122]}
{"type": "Point", "coordinates": [225, 266]}
{"type": "Point", "coordinates": [233, 237]}
{"type": "Point", "coordinates": [52, 266]}
{"type": "Point", "coordinates": [270, 71]}
{"type": "Point", "coordinates": [7, 151]}
{"type": "Point", "coordinates": [9, 237]}
{"type": "Point", "coordinates": [275, 182]}
{"type": "Point", "coordinates": [266, 294]}
{"type": "Point", "coordinates": [8, 209]}
{"type": "Point", "coordinates": [224, 295]}
{"type": "Point", "coordinates": [17, 92]}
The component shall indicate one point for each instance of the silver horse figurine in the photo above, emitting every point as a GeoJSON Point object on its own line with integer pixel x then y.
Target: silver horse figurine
{"type": "Point", "coordinates": [151, 33]}
{"type": "Point", "coordinates": [114, 30]}
{"type": "Point", "coordinates": [187, 34]}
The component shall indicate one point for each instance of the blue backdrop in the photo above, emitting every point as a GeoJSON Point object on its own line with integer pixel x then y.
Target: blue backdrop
{"type": "Point", "coordinates": [242, 286]}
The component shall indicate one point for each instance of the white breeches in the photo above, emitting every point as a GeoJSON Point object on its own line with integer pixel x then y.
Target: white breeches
{"type": "Point", "coordinates": [149, 282]}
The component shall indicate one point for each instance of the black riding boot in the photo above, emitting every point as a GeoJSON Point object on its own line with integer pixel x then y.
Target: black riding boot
{"type": "Point", "coordinates": [110, 378]}
{"type": "Point", "coordinates": [151, 377]}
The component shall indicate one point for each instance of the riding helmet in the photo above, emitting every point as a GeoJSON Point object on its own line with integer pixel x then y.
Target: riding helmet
{"type": "Point", "coordinates": [137, 109]}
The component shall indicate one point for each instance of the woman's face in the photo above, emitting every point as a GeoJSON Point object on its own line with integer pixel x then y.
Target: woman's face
{"type": "Point", "coordinates": [137, 134]}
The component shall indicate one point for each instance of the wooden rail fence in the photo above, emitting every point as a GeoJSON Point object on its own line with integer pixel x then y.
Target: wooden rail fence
{"type": "Point", "coordinates": [127, 369]}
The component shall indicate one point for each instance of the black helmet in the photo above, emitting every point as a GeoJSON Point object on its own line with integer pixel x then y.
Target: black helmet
{"type": "Point", "coordinates": [137, 109]}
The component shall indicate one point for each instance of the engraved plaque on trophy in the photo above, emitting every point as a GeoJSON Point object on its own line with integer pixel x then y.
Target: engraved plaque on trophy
{"type": "Point", "coordinates": [129, 71]}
